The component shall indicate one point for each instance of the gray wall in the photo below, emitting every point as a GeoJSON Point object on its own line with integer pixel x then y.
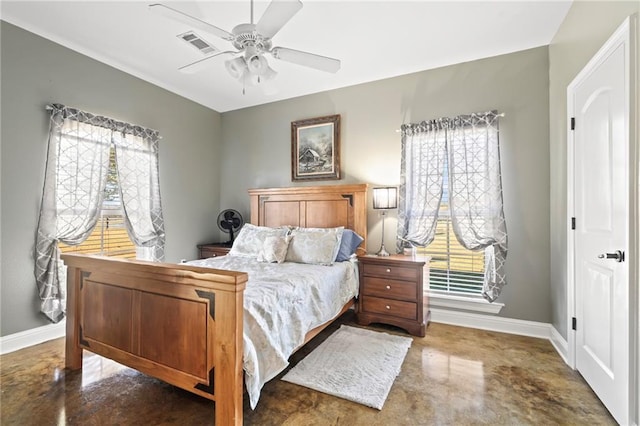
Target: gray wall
{"type": "Point", "coordinates": [585, 29]}
{"type": "Point", "coordinates": [36, 72]}
{"type": "Point", "coordinates": [257, 150]}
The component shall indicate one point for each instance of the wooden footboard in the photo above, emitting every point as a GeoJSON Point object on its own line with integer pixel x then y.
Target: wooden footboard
{"type": "Point", "coordinates": [179, 323]}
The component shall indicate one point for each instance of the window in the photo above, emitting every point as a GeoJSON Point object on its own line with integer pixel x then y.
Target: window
{"type": "Point", "coordinates": [453, 268]}
{"type": "Point", "coordinates": [109, 237]}
{"type": "Point", "coordinates": [450, 174]}
{"type": "Point", "coordinates": [80, 155]}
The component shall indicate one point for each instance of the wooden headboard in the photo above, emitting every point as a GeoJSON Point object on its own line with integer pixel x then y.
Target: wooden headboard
{"type": "Point", "coordinates": [312, 207]}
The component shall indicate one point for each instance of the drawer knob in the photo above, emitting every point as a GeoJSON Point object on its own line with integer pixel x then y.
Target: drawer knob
{"type": "Point", "coordinates": [388, 269]}
{"type": "Point", "coordinates": [388, 307]}
{"type": "Point", "coordinates": [213, 254]}
{"type": "Point", "coordinates": [388, 287]}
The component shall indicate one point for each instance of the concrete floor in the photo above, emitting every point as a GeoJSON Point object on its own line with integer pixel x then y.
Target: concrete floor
{"type": "Point", "coordinates": [453, 376]}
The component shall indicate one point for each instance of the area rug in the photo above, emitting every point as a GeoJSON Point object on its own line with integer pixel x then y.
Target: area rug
{"type": "Point", "coordinates": [355, 364]}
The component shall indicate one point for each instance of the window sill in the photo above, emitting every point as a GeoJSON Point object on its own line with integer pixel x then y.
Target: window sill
{"type": "Point", "coordinates": [464, 303]}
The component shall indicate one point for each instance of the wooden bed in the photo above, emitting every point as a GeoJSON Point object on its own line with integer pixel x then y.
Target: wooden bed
{"type": "Point", "coordinates": [183, 324]}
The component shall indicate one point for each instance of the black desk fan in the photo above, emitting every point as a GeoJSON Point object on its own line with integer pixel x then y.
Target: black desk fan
{"type": "Point", "coordinates": [230, 221]}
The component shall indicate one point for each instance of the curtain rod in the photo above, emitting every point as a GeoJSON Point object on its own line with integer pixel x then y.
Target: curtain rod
{"type": "Point", "coordinates": [50, 107]}
{"type": "Point", "coordinates": [502, 114]}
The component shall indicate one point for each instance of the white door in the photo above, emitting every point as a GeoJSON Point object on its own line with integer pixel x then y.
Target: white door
{"type": "Point", "coordinates": [600, 99]}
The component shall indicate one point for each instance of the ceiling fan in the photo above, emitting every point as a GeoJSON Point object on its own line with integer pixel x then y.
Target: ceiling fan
{"type": "Point", "coordinates": [252, 42]}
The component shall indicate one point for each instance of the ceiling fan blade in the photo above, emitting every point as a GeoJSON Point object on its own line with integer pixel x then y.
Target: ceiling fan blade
{"type": "Point", "coordinates": [203, 63]}
{"type": "Point", "coordinates": [277, 14]}
{"type": "Point", "coordinates": [306, 59]}
{"type": "Point", "coordinates": [189, 20]}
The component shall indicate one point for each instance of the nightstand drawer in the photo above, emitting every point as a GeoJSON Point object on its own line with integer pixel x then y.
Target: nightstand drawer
{"type": "Point", "coordinates": [212, 250]}
{"type": "Point", "coordinates": [204, 253]}
{"type": "Point", "coordinates": [394, 308]}
{"type": "Point", "coordinates": [396, 272]}
{"type": "Point", "coordinates": [388, 288]}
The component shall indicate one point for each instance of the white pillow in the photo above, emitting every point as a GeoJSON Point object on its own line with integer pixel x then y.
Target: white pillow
{"type": "Point", "coordinates": [274, 249]}
{"type": "Point", "coordinates": [314, 245]}
{"type": "Point", "coordinates": [251, 238]}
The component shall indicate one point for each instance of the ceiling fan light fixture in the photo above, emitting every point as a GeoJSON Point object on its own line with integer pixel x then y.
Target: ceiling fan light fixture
{"type": "Point", "coordinates": [268, 73]}
{"type": "Point", "coordinates": [256, 64]}
{"type": "Point", "coordinates": [252, 71]}
{"type": "Point", "coordinates": [236, 67]}
{"type": "Point", "coordinates": [249, 79]}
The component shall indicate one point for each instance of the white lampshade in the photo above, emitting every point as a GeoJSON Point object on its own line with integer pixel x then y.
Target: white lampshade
{"type": "Point", "coordinates": [249, 79]}
{"type": "Point", "coordinates": [256, 63]}
{"type": "Point", "coordinates": [268, 73]}
{"type": "Point", "coordinates": [236, 67]}
{"type": "Point", "coordinates": [385, 197]}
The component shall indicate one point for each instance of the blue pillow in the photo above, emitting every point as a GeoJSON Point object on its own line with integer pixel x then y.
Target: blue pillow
{"type": "Point", "coordinates": [348, 245]}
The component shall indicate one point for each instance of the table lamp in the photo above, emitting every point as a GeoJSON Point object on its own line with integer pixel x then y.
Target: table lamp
{"type": "Point", "coordinates": [384, 198]}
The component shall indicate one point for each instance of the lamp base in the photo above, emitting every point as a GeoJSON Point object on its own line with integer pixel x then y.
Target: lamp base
{"type": "Point", "coordinates": [382, 252]}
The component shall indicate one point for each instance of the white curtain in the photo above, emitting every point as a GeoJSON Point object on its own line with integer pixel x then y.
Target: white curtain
{"type": "Point", "coordinates": [77, 164]}
{"type": "Point", "coordinates": [137, 164]}
{"type": "Point", "coordinates": [422, 166]}
{"type": "Point", "coordinates": [75, 178]}
{"type": "Point", "coordinates": [475, 192]}
{"type": "Point", "coordinates": [471, 146]}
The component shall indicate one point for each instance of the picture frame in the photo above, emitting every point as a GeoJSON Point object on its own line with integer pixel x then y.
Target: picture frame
{"type": "Point", "coordinates": [315, 148]}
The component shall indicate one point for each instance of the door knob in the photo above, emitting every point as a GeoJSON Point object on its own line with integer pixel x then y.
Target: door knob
{"type": "Point", "coordinates": [618, 256]}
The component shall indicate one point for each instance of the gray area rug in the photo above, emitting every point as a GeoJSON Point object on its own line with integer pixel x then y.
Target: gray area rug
{"type": "Point", "coordinates": [355, 364]}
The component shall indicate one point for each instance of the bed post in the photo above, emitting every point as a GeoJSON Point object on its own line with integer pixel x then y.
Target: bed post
{"type": "Point", "coordinates": [73, 351]}
{"type": "Point", "coordinates": [228, 353]}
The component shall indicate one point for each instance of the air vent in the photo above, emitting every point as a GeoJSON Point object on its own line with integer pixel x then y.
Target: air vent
{"type": "Point", "coordinates": [198, 42]}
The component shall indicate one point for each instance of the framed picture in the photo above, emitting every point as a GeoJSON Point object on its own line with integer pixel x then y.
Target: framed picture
{"type": "Point", "coordinates": [315, 148]}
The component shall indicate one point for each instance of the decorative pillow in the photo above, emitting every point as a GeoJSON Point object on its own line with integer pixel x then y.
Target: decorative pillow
{"type": "Point", "coordinates": [250, 239]}
{"type": "Point", "coordinates": [348, 245]}
{"type": "Point", "coordinates": [274, 249]}
{"type": "Point", "coordinates": [314, 245]}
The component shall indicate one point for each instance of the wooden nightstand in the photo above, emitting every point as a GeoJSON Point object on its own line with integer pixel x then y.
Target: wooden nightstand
{"type": "Point", "coordinates": [213, 250]}
{"type": "Point", "coordinates": [391, 292]}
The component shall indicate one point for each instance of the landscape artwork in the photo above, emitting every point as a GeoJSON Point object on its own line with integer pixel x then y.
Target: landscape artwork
{"type": "Point", "coordinates": [315, 148]}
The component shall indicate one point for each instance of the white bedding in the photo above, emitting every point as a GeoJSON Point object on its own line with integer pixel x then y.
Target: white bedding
{"type": "Point", "coordinates": [282, 302]}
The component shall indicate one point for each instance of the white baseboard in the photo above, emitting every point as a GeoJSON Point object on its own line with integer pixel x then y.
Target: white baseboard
{"type": "Point", "coordinates": [492, 323]}
{"type": "Point", "coordinates": [560, 343]}
{"type": "Point", "coordinates": [23, 339]}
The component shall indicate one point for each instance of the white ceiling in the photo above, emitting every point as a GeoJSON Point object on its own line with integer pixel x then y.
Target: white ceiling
{"type": "Point", "coordinates": [373, 39]}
